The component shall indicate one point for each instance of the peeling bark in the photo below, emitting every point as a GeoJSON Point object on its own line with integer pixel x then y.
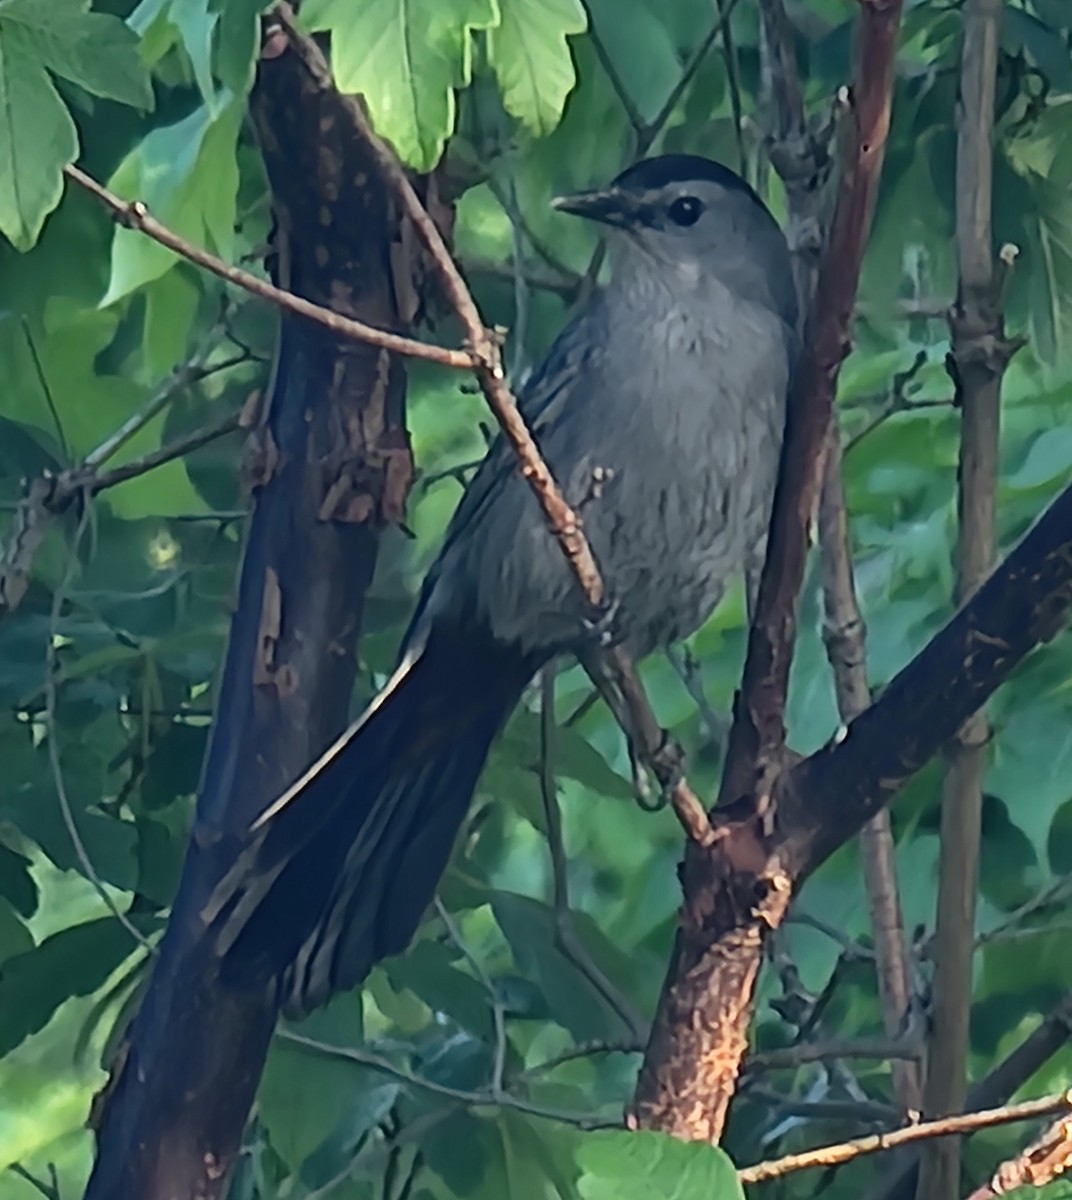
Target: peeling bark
{"type": "Point", "coordinates": [334, 468]}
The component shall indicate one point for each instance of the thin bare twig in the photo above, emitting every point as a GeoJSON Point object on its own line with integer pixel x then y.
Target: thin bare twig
{"type": "Point", "coordinates": [787, 1057]}
{"type": "Point", "coordinates": [535, 278]}
{"type": "Point", "coordinates": [375, 1062]}
{"type": "Point", "coordinates": [976, 363]}
{"type": "Point", "coordinates": [50, 399]}
{"type": "Point", "coordinates": [688, 671]}
{"type": "Point", "coordinates": [733, 82]}
{"type": "Point", "coordinates": [59, 596]}
{"type": "Point", "coordinates": [486, 362]}
{"type": "Point", "coordinates": [700, 1032]}
{"type": "Point", "coordinates": [650, 132]}
{"type": "Point", "coordinates": [50, 494]}
{"type": "Point", "coordinates": [584, 1050]}
{"type": "Point", "coordinates": [869, 1113]}
{"type": "Point", "coordinates": [497, 1011]}
{"type": "Point", "coordinates": [565, 934]}
{"type": "Point", "coordinates": [844, 635]}
{"type": "Point", "coordinates": [191, 371]}
{"type": "Point", "coordinates": [901, 405]}
{"type": "Point", "coordinates": [177, 448]}
{"type": "Point", "coordinates": [632, 113]}
{"type": "Point", "coordinates": [50, 1190]}
{"type": "Point", "coordinates": [829, 1156]}
{"type": "Point", "coordinates": [570, 281]}
{"type": "Point", "coordinates": [995, 1088]}
{"type": "Point", "coordinates": [135, 215]}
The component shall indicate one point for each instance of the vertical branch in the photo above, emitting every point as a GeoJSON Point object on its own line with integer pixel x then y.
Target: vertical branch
{"type": "Point", "coordinates": [800, 158]}
{"type": "Point", "coordinates": [976, 363]}
{"type": "Point", "coordinates": [844, 635]}
{"type": "Point", "coordinates": [566, 940]}
{"type": "Point", "coordinates": [733, 82]}
{"type": "Point", "coordinates": [331, 467]}
{"type": "Point", "coordinates": [799, 154]}
{"type": "Point", "coordinates": [737, 888]}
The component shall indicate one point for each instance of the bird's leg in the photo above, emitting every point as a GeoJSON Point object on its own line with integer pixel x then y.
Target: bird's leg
{"type": "Point", "coordinates": [667, 764]}
{"type": "Point", "coordinates": [602, 625]}
{"type": "Point", "coordinates": [596, 669]}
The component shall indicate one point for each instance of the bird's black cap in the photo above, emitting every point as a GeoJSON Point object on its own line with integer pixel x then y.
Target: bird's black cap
{"type": "Point", "coordinates": [652, 173]}
{"type": "Point", "coordinates": [624, 203]}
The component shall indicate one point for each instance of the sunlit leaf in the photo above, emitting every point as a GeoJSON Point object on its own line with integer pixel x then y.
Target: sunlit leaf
{"type": "Point", "coordinates": [405, 57]}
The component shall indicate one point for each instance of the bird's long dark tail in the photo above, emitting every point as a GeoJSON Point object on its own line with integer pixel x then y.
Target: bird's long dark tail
{"type": "Point", "coordinates": [340, 869]}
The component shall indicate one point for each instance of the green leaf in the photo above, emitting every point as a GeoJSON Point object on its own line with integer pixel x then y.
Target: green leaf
{"type": "Point", "coordinates": [574, 1001]}
{"type": "Point", "coordinates": [187, 175]}
{"type": "Point", "coordinates": [237, 40]}
{"type": "Point", "coordinates": [37, 137]}
{"type": "Point", "coordinates": [16, 883]}
{"type": "Point", "coordinates": [196, 23]}
{"type": "Point", "coordinates": [406, 58]}
{"type": "Point", "coordinates": [96, 51]}
{"type": "Point", "coordinates": [171, 304]}
{"type": "Point", "coordinates": [15, 938]}
{"type": "Point", "coordinates": [620, 1165]}
{"type": "Point", "coordinates": [1055, 13]}
{"type": "Point", "coordinates": [89, 403]}
{"type": "Point", "coordinates": [1032, 766]}
{"type": "Point", "coordinates": [428, 970]}
{"type": "Point", "coordinates": [641, 48]}
{"type": "Point", "coordinates": [505, 1155]}
{"type": "Point", "coordinates": [531, 58]}
{"type": "Point", "coordinates": [303, 1093]}
{"type": "Point", "coordinates": [1044, 45]}
{"type": "Point", "coordinates": [74, 962]}
{"type": "Point", "coordinates": [1049, 458]}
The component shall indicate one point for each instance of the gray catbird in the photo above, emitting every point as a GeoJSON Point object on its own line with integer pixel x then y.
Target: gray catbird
{"type": "Point", "coordinates": [660, 410]}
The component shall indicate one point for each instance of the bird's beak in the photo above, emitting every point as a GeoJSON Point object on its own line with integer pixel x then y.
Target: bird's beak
{"type": "Point", "coordinates": [610, 206]}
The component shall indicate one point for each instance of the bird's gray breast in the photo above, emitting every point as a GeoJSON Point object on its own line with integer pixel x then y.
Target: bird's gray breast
{"type": "Point", "coordinates": [664, 432]}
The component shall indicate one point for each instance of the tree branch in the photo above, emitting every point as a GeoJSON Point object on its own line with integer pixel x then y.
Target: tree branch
{"type": "Point", "coordinates": [1001, 1083]}
{"type": "Point", "coordinates": [830, 1156]}
{"type": "Point", "coordinates": [976, 363]}
{"type": "Point", "coordinates": [171, 1120]}
{"type": "Point", "coordinates": [134, 214]}
{"type": "Point", "coordinates": [800, 159]}
{"type": "Point", "coordinates": [736, 892]}
{"type": "Point", "coordinates": [1047, 1159]}
{"type": "Point", "coordinates": [50, 494]}
{"type": "Point", "coordinates": [1024, 603]}
{"type": "Point", "coordinates": [565, 934]}
{"type": "Point", "coordinates": [844, 634]}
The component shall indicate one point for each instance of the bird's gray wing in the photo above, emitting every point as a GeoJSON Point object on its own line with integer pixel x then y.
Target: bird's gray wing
{"type": "Point", "coordinates": [573, 356]}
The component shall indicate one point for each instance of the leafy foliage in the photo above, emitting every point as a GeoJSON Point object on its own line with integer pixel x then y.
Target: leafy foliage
{"type": "Point", "coordinates": [479, 1062]}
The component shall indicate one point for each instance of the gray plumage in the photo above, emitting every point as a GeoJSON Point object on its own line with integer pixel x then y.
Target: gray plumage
{"type": "Point", "coordinates": [660, 410]}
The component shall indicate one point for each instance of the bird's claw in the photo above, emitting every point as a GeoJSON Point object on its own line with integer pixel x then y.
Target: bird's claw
{"type": "Point", "coordinates": [668, 763]}
{"type": "Point", "coordinates": [602, 625]}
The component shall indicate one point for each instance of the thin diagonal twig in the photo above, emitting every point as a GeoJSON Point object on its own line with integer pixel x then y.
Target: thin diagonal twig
{"type": "Point", "coordinates": [565, 934]}
{"type": "Point", "coordinates": [51, 669]}
{"type": "Point", "coordinates": [829, 1156]}
{"type": "Point", "coordinates": [135, 215]}
{"type": "Point", "coordinates": [497, 1011]}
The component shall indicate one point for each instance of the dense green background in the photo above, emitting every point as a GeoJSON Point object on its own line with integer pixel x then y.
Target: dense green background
{"type": "Point", "coordinates": [129, 602]}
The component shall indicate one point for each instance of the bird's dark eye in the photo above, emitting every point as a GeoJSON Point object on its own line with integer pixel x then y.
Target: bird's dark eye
{"type": "Point", "coordinates": [686, 210]}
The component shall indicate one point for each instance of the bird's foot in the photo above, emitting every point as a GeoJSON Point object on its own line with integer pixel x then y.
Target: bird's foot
{"type": "Point", "coordinates": [668, 763]}
{"type": "Point", "coordinates": [602, 625]}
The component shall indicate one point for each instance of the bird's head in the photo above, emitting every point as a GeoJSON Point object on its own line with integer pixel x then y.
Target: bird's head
{"type": "Point", "coordinates": [693, 219]}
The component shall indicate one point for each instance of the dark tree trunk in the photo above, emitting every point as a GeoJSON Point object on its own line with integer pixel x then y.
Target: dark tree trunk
{"type": "Point", "coordinates": [331, 465]}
